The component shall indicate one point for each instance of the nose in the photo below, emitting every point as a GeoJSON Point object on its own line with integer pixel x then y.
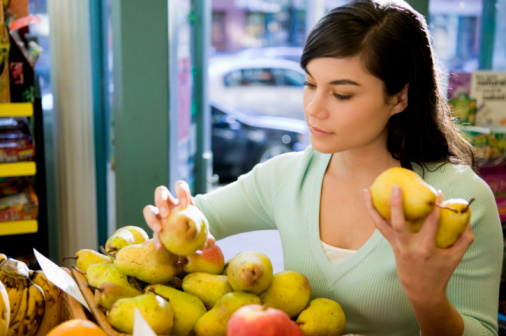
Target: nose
{"type": "Point", "coordinates": [314, 104]}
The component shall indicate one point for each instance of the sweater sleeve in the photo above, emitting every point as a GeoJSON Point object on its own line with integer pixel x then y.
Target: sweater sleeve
{"type": "Point", "coordinates": [247, 204]}
{"type": "Point", "coordinates": [474, 286]}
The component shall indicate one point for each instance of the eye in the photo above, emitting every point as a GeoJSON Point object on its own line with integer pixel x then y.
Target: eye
{"type": "Point", "coordinates": [341, 97]}
{"type": "Point", "coordinates": [309, 85]}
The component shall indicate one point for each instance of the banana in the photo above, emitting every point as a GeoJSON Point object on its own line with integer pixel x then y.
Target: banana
{"type": "Point", "coordinates": [5, 310]}
{"type": "Point", "coordinates": [31, 313]}
{"type": "Point", "coordinates": [14, 268]}
{"type": "Point", "coordinates": [15, 290]}
{"type": "Point", "coordinates": [19, 315]}
{"type": "Point", "coordinates": [54, 303]}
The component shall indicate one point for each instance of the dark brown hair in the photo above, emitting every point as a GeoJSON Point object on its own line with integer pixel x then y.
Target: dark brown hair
{"type": "Point", "coordinates": [394, 43]}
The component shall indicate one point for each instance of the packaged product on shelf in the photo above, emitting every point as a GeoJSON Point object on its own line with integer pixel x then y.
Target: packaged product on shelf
{"type": "Point", "coordinates": [16, 143]}
{"type": "Point", "coordinates": [497, 142]}
{"type": "Point", "coordinates": [463, 108]}
{"type": "Point", "coordinates": [21, 206]}
{"type": "Point", "coordinates": [495, 176]}
{"type": "Point", "coordinates": [479, 137]}
{"type": "Point", "coordinates": [5, 95]}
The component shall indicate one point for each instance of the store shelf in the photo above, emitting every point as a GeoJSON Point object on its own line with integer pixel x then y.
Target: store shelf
{"type": "Point", "coordinates": [18, 227]}
{"type": "Point", "coordinates": [16, 110]}
{"type": "Point", "coordinates": [12, 169]}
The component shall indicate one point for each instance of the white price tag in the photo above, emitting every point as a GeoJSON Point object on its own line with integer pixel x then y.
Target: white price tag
{"type": "Point", "coordinates": [60, 278]}
{"type": "Point", "coordinates": [141, 326]}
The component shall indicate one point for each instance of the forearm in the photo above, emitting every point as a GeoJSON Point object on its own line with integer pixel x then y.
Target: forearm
{"type": "Point", "coordinates": [438, 317]}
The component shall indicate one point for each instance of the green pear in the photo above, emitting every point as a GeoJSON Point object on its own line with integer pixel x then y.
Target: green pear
{"type": "Point", "coordinates": [210, 260]}
{"type": "Point", "coordinates": [455, 215]}
{"type": "Point", "coordinates": [155, 309]}
{"type": "Point", "coordinates": [214, 322]}
{"type": "Point", "coordinates": [207, 287]}
{"type": "Point", "coordinates": [418, 197]}
{"type": "Point", "coordinates": [185, 230]}
{"type": "Point", "coordinates": [100, 273]}
{"type": "Point", "coordinates": [140, 235]}
{"type": "Point", "coordinates": [107, 293]}
{"type": "Point", "coordinates": [145, 262]}
{"type": "Point", "coordinates": [289, 291]}
{"type": "Point", "coordinates": [117, 241]}
{"type": "Point", "coordinates": [322, 316]}
{"type": "Point", "coordinates": [187, 308]}
{"type": "Point", "coordinates": [250, 271]}
{"type": "Point", "coordinates": [86, 257]}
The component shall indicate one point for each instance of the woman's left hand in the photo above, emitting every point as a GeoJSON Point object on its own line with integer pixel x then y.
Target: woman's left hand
{"type": "Point", "coordinates": [423, 269]}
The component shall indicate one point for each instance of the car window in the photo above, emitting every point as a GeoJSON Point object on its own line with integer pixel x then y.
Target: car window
{"type": "Point", "coordinates": [293, 78]}
{"type": "Point", "coordinates": [254, 77]}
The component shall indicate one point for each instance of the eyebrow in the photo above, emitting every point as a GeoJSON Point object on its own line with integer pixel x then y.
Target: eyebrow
{"type": "Point", "coordinates": [339, 81]}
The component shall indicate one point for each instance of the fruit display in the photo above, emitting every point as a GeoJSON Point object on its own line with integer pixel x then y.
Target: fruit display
{"type": "Point", "coordinates": [186, 289]}
{"type": "Point", "coordinates": [418, 199]}
{"type": "Point", "coordinates": [30, 304]}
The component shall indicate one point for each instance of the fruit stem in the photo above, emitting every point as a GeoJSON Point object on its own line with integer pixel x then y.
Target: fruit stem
{"type": "Point", "coordinates": [469, 204]}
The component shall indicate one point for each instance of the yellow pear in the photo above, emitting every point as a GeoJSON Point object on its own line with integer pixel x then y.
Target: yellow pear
{"type": "Point", "coordinates": [117, 241]}
{"type": "Point", "coordinates": [187, 308]}
{"type": "Point", "coordinates": [289, 291]}
{"type": "Point", "coordinates": [250, 271]}
{"type": "Point", "coordinates": [156, 310]}
{"type": "Point", "coordinates": [140, 235]}
{"type": "Point", "coordinates": [100, 273]}
{"type": "Point", "coordinates": [455, 215]}
{"type": "Point", "coordinates": [145, 262]}
{"type": "Point", "coordinates": [207, 287]}
{"type": "Point", "coordinates": [322, 317]}
{"type": "Point", "coordinates": [107, 293]}
{"type": "Point", "coordinates": [214, 322]}
{"type": "Point", "coordinates": [185, 230]}
{"type": "Point", "coordinates": [86, 257]}
{"type": "Point", "coordinates": [418, 197]}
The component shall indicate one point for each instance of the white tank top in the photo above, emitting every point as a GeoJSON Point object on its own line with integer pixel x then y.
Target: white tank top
{"type": "Point", "coordinates": [336, 254]}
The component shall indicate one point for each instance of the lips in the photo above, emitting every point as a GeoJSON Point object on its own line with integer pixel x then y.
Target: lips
{"type": "Point", "coordinates": [318, 132]}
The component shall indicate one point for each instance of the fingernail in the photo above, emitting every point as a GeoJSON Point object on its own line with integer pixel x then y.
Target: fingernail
{"type": "Point", "coordinates": [165, 194]}
{"type": "Point", "coordinates": [396, 190]}
{"type": "Point", "coordinates": [163, 212]}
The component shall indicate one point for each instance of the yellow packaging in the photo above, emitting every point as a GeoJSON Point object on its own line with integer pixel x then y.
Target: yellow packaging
{"type": "Point", "coordinates": [5, 94]}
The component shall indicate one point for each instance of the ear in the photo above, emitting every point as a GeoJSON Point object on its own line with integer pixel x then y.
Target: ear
{"type": "Point", "coordinates": [400, 100]}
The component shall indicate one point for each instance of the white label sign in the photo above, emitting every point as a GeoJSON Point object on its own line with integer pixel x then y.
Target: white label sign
{"type": "Point", "coordinates": [60, 278]}
{"type": "Point", "coordinates": [141, 326]}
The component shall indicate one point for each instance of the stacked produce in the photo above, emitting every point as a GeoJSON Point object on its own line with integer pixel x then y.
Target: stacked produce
{"type": "Point", "coordinates": [187, 288]}
{"type": "Point", "coordinates": [29, 303]}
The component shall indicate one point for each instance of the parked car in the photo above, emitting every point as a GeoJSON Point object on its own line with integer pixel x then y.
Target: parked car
{"type": "Point", "coordinates": [264, 86]}
{"type": "Point", "coordinates": [240, 140]}
{"type": "Point", "coordinates": [288, 53]}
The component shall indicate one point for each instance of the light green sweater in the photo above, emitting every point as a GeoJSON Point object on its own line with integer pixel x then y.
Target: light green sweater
{"type": "Point", "coordinates": [284, 194]}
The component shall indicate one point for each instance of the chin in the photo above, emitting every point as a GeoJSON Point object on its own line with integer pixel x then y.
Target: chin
{"type": "Point", "coordinates": [324, 148]}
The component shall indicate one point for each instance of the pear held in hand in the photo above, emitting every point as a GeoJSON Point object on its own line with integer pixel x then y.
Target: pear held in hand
{"type": "Point", "coordinates": [185, 230]}
{"type": "Point", "coordinates": [418, 197]}
{"type": "Point", "coordinates": [322, 316]}
{"type": "Point", "coordinates": [455, 215]}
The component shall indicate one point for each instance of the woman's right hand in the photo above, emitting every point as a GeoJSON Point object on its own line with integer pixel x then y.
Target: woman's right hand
{"type": "Point", "coordinates": [164, 204]}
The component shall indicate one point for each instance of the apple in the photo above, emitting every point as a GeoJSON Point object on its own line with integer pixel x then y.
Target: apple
{"type": "Point", "coordinates": [261, 320]}
{"type": "Point", "coordinates": [210, 260]}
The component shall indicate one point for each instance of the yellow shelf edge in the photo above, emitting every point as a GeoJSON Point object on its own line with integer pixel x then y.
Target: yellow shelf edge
{"type": "Point", "coordinates": [19, 227]}
{"type": "Point", "coordinates": [12, 169]}
{"type": "Point", "coordinates": [16, 110]}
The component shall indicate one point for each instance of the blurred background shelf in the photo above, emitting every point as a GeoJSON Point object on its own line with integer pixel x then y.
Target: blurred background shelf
{"type": "Point", "coordinates": [18, 169]}
{"type": "Point", "coordinates": [18, 227]}
{"type": "Point", "coordinates": [16, 109]}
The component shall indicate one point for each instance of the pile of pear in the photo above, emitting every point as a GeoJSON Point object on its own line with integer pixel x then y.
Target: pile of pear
{"type": "Point", "coordinates": [187, 288]}
{"type": "Point", "coordinates": [419, 199]}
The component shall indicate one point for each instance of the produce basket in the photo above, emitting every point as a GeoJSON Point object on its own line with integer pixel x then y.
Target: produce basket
{"type": "Point", "coordinates": [72, 309]}
{"type": "Point", "coordinates": [98, 314]}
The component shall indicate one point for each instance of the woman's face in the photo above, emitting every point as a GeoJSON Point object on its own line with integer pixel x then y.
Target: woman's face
{"type": "Point", "coordinates": [345, 106]}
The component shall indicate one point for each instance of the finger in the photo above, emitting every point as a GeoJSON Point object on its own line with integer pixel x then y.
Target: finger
{"type": "Point", "coordinates": [183, 193]}
{"type": "Point", "coordinates": [431, 223]}
{"type": "Point", "coordinates": [164, 201]}
{"type": "Point", "coordinates": [211, 241]}
{"type": "Point", "coordinates": [158, 242]}
{"type": "Point", "coordinates": [398, 220]}
{"type": "Point", "coordinates": [152, 218]}
{"type": "Point", "coordinates": [378, 220]}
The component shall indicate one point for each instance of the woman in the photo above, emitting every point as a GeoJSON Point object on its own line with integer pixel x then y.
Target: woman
{"type": "Point", "coordinates": [372, 102]}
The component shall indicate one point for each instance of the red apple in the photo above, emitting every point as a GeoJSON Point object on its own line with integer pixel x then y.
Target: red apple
{"type": "Point", "coordinates": [210, 261]}
{"type": "Point", "coordinates": [260, 320]}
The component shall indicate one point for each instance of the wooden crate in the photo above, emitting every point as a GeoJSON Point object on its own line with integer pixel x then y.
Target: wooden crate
{"type": "Point", "coordinates": [98, 315]}
{"type": "Point", "coordinates": [72, 309]}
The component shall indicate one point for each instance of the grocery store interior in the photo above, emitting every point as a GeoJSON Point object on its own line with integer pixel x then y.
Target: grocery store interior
{"type": "Point", "coordinates": [111, 98]}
